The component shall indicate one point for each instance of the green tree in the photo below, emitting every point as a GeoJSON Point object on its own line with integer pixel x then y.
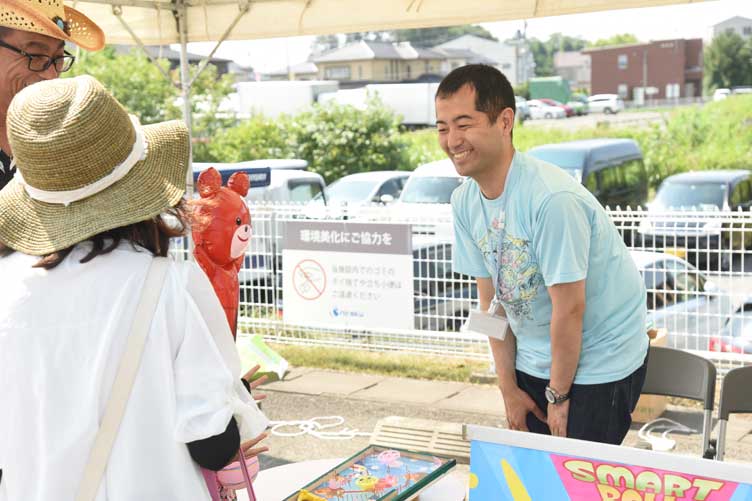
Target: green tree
{"type": "Point", "coordinates": [144, 91]}
{"type": "Point", "coordinates": [371, 36]}
{"type": "Point", "coordinates": [620, 39]}
{"type": "Point", "coordinates": [728, 62]}
{"type": "Point", "coordinates": [323, 43]}
{"type": "Point", "coordinates": [543, 52]}
{"type": "Point", "coordinates": [252, 139]}
{"type": "Point", "coordinates": [431, 37]}
{"type": "Point", "coordinates": [339, 140]}
{"type": "Point", "coordinates": [132, 79]}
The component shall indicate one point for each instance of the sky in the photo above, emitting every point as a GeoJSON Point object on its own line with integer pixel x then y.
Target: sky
{"type": "Point", "coordinates": [655, 23]}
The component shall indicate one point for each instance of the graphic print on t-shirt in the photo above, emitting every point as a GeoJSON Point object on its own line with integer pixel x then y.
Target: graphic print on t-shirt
{"type": "Point", "coordinates": [518, 278]}
{"type": "Point", "coordinates": [489, 243]}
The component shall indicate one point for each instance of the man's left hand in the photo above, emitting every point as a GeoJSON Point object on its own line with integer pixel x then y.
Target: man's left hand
{"type": "Point", "coordinates": [557, 418]}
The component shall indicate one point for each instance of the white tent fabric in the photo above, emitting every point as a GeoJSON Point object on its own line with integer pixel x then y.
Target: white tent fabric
{"type": "Point", "coordinates": [154, 23]}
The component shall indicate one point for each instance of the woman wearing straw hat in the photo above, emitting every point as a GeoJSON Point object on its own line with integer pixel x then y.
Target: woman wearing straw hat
{"type": "Point", "coordinates": [32, 38]}
{"type": "Point", "coordinates": [83, 218]}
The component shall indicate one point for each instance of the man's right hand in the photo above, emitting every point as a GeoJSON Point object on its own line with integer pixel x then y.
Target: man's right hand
{"type": "Point", "coordinates": [518, 404]}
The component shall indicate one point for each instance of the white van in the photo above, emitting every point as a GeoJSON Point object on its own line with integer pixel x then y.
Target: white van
{"type": "Point", "coordinates": [605, 103]}
{"type": "Point", "coordinates": [273, 180]}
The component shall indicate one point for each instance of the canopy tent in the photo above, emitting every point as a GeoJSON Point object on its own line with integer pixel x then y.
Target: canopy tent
{"type": "Point", "coordinates": [154, 21]}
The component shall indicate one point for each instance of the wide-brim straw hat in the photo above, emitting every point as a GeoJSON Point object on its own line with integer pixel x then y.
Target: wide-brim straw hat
{"type": "Point", "coordinates": [85, 166]}
{"type": "Point", "coordinates": [52, 18]}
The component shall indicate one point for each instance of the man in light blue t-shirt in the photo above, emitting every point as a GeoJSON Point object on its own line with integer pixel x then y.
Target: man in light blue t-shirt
{"type": "Point", "coordinates": [574, 362]}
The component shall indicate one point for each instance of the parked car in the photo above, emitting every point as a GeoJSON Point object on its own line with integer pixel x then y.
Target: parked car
{"type": "Point", "coordinates": [605, 103]}
{"type": "Point", "coordinates": [697, 228]}
{"type": "Point", "coordinates": [523, 111]}
{"type": "Point", "coordinates": [721, 94]}
{"type": "Point", "coordinates": [579, 104]}
{"type": "Point", "coordinates": [443, 299]}
{"type": "Point", "coordinates": [736, 335]}
{"type": "Point", "coordinates": [431, 183]}
{"type": "Point", "coordinates": [272, 180]}
{"type": "Point", "coordinates": [539, 109]}
{"type": "Point", "coordinates": [366, 188]}
{"type": "Point", "coordinates": [568, 110]}
{"type": "Point", "coordinates": [681, 299]}
{"type": "Point", "coordinates": [611, 169]}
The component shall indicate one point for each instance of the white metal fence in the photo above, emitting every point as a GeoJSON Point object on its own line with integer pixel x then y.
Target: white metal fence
{"type": "Point", "coordinates": [696, 266]}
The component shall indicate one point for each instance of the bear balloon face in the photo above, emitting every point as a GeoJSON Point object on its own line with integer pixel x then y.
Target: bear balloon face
{"type": "Point", "coordinates": [223, 227]}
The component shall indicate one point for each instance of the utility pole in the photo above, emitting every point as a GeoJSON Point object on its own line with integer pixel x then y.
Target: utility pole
{"type": "Point", "coordinates": [644, 75]}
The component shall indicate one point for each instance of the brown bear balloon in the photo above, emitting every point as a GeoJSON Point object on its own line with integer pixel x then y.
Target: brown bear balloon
{"type": "Point", "coordinates": [221, 232]}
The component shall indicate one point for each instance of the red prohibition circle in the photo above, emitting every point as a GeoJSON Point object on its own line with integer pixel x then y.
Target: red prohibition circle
{"type": "Point", "coordinates": [304, 279]}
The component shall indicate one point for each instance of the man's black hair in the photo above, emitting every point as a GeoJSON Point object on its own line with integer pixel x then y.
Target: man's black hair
{"type": "Point", "coordinates": [493, 92]}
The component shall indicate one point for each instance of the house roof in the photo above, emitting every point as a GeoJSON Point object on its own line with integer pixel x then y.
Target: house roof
{"type": "Point", "coordinates": [165, 52]}
{"type": "Point", "coordinates": [306, 67]}
{"type": "Point", "coordinates": [733, 20]}
{"type": "Point", "coordinates": [640, 44]}
{"type": "Point", "coordinates": [467, 54]}
{"type": "Point", "coordinates": [364, 50]}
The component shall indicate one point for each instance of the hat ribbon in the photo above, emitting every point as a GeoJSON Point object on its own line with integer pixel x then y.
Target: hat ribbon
{"type": "Point", "coordinates": [137, 154]}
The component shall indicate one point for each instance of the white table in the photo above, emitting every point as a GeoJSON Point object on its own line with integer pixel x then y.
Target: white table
{"type": "Point", "coordinates": [275, 484]}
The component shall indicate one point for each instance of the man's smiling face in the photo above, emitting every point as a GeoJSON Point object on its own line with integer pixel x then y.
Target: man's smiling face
{"type": "Point", "coordinates": [467, 135]}
{"type": "Point", "coordinates": [14, 68]}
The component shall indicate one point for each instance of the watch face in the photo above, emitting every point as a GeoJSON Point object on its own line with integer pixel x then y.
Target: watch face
{"type": "Point", "coordinates": [550, 396]}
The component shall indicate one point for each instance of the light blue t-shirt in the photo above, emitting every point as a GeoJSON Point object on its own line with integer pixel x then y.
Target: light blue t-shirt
{"type": "Point", "coordinates": [547, 229]}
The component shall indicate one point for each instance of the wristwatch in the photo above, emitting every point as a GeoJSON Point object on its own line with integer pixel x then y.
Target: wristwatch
{"type": "Point", "coordinates": [554, 397]}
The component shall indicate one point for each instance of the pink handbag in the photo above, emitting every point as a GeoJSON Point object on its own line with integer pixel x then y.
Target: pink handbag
{"type": "Point", "coordinates": [235, 476]}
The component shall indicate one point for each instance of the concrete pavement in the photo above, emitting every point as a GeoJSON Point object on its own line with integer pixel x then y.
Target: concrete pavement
{"type": "Point", "coordinates": [365, 399]}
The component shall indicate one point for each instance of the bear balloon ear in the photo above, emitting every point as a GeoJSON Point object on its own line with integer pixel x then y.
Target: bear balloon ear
{"type": "Point", "coordinates": [239, 183]}
{"type": "Point", "coordinates": [209, 182]}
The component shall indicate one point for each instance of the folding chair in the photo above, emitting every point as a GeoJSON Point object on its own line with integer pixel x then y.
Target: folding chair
{"type": "Point", "coordinates": [736, 396]}
{"type": "Point", "coordinates": [676, 373]}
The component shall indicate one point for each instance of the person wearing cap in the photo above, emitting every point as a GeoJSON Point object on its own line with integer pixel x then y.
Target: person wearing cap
{"type": "Point", "coordinates": [81, 222]}
{"type": "Point", "coordinates": [32, 49]}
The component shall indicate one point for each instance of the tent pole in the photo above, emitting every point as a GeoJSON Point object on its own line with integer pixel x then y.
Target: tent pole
{"type": "Point", "coordinates": [243, 10]}
{"type": "Point", "coordinates": [117, 11]}
{"type": "Point", "coordinates": [181, 17]}
{"type": "Point", "coordinates": [185, 83]}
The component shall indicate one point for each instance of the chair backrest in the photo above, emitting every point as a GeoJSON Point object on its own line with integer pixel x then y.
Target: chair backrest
{"type": "Point", "coordinates": [736, 392]}
{"type": "Point", "coordinates": [677, 373]}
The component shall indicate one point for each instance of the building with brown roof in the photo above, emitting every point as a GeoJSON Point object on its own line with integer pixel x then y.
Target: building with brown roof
{"type": "Point", "coordinates": [665, 69]}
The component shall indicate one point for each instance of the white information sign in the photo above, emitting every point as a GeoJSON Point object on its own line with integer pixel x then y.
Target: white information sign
{"type": "Point", "coordinates": [348, 274]}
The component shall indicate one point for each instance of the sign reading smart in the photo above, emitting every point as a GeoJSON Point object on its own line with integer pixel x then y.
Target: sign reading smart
{"type": "Point", "coordinates": [518, 466]}
{"type": "Point", "coordinates": [348, 274]}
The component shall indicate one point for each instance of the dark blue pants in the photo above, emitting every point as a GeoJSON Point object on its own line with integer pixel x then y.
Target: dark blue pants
{"type": "Point", "coordinates": [597, 412]}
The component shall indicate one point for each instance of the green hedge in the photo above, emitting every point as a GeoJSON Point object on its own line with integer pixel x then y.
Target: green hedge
{"type": "Point", "coordinates": [335, 140]}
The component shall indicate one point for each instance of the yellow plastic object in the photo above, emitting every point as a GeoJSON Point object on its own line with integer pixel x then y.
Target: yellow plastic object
{"type": "Point", "coordinates": [674, 251]}
{"type": "Point", "coordinates": [304, 495]}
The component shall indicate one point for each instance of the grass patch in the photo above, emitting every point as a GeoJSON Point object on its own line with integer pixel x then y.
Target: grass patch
{"type": "Point", "coordinates": [410, 366]}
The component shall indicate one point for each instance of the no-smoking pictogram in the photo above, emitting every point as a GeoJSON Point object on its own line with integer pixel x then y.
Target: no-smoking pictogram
{"type": "Point", "coordinates": [309, 279]}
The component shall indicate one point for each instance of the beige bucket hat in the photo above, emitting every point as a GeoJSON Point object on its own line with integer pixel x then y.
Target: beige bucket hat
{"type": "Point", "coordinates": [85, 166]}
{"type": "Point", "coordinates": [51, 18]}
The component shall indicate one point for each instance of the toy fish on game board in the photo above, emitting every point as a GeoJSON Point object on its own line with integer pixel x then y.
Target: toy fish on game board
{"type": "Point", "coordinates": [304, 495]}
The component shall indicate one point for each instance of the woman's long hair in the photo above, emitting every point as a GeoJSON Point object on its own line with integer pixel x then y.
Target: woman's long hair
{"type": "Point", "coordinates": [153, 235]}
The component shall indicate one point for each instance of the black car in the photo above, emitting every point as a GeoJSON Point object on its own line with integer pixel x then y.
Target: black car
{"type": "Point", "coordinates": [686, 214]}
